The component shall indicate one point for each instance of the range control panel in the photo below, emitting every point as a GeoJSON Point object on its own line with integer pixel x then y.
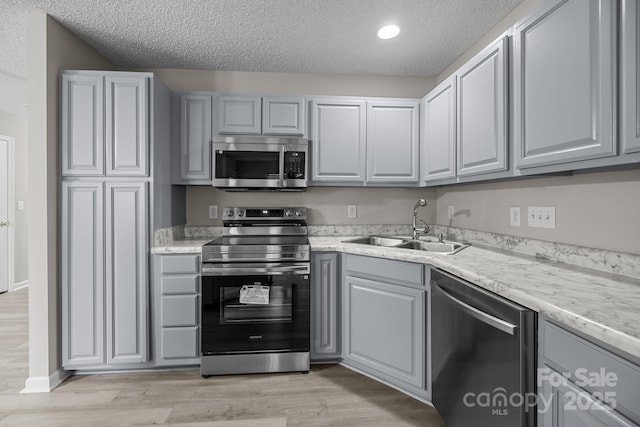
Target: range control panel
{"type": "Point", "coordinates": [266, 214]}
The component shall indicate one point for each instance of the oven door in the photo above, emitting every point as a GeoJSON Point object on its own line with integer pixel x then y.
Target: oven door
{"type": "Point", "coordinates": [255, 310]}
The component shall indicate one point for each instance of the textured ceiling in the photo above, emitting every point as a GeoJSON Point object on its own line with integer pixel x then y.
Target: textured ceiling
{"type": "Point", "coordinates": [307, 36]}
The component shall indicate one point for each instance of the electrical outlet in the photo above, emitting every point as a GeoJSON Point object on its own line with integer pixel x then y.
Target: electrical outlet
{"type": "Point", "coordinates": [352, 211]}
{"type": "Point", "coordinates": [514, 216]}
{"type": "Point", "coordinates": [541, 217]}
{"type": "Point", "coordinates": [451, 211]}
{"type": "Point", "coordinates": [213, 212]}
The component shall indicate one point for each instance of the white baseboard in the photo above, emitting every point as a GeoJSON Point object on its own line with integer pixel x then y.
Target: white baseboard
{"type": "Point", "coordinates": [19, 285]}
{"type": "Point", "coordinates": [45, 384]}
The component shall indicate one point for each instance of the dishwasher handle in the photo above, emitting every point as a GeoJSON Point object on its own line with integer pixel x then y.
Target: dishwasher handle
{"type": "Point", "coordinates": [490, 320]}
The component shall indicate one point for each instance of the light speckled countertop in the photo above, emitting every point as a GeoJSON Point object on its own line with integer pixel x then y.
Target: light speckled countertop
{"type": "Point", "coordinates": [602, 306]}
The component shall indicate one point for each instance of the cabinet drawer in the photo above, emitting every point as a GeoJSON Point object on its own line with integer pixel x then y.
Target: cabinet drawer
{"type": "Point", "coordinates": [179, 284]}
{"type": "Point", "coordinates": [395, 272]}
{"type": "Point", "coordinates": [180, 343]}
{"type": "Point", "coordinates": [180, 310]}
{"type": "Point", "coordinates": [179, 264]}
{"type": "Point", "coordinates": [567, 352]}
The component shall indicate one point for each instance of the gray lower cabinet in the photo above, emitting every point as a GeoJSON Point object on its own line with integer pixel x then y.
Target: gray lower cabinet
{"type": "Point", "coordinates": [325, 307]}
{"type": "Point", "coordinates": [630, 76]}
{"type": "Point", "coordinates": [104, 274]}
{"type": "Point", "coordinates": [176, 309]}
{"type": "Point", "coordinates": [583, 384]}
{"type": "Point", "coordinates": [384, 321]}
{"type": "Point", "coordinates": [565, 112]}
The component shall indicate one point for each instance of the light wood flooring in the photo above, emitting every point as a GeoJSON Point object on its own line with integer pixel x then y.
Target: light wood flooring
{"type": "Point", "coordinates": [330, 395]}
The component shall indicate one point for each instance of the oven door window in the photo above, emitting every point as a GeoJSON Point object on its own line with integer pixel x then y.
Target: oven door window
{"type": "Point", "coordinates": [247, 164]}
{"type": "Point", "coordinates": [256, 302]}
{"type": "Point", "coordinates": [276, 319]}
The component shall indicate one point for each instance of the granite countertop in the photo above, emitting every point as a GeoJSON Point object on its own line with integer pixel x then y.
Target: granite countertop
{"type": "Point", "coordinates": [186, 246]}
{"type": "Point", "coordinates": [602, 306]}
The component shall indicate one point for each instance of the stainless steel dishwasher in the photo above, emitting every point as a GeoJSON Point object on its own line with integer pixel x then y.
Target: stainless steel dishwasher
{"type": "Point", "coordinates": [483, 362]}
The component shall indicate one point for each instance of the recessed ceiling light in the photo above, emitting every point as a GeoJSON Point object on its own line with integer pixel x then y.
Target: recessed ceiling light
{"type": "Point", "coordinates": [388, 32]}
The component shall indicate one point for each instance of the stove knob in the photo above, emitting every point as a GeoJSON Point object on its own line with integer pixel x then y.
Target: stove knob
{"type": "Point", "coordinates": [240, 213]}
{"type": "Point", "coordinates": [229, 212]}
{"type": "Point", "coordinates": [287, 213]}
{"type": "Point", "coordinates": [298, 213]}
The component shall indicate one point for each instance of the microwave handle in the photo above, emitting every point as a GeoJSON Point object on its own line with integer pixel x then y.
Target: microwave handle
{"type": "Point", "coordinates": [281, 182]}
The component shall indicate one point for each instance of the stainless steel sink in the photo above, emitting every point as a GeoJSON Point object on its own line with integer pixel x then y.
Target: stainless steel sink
{"type": "Point", "coordinates": [429, 245]}
{"type": "Point", "coordinates": [377, 241]}
{"type": "Point", "coordinates": [440, 247]}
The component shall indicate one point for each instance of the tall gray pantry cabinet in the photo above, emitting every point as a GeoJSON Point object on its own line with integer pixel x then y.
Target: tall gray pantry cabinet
{"type": "Point", "coordinates": [114, 130]}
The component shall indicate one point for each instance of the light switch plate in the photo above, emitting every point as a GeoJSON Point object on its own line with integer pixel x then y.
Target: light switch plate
{"type": "Point", "coordinates": [541, 217]}
{"type": "Point", "coordinates": [20, 205]}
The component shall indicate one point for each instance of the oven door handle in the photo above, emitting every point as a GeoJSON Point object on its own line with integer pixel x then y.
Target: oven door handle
{"type": "Point", "coordinates": [479, 314]}
{"type": "Point", "coordinates": [230, 269]}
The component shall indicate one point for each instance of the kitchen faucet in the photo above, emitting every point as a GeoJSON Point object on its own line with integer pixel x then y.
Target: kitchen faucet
{"type": "Point", "coordinates": [415, 228]}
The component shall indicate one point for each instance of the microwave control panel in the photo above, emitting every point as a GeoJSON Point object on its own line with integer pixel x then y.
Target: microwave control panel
{"type": "Point", "coordinates": [294, 164]}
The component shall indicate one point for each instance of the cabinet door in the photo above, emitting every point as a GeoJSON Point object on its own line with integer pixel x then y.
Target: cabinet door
{"type": "Point", "coordinates": [630, 72]}
{"type": "Point", "coordinates": [565, 405]}
{"type": "Point", "coordinates": [338, 141]}
{"type": "Point", "coordinates": [383, 329]}
{"type": "Point", "coordinates": [195, 138]}
{"type": "Point", "coordinates": [283, 116]}
{"type": "Point", "coordinates": [82, 274]}
{"type": "Point", "coordinates": [127, 126]}
{"type": "Point", "coordinates": [482, 112]}
{"type": "Point", "coordinates": [392, 142]}
{"type": "Point", "coordinates": [564, 83]}
{"type": "Point", "coordinates": [82, 125]}
{"type": "Point", "coordinates": [325, 307]}
{"type": "Point", "coordinates": [439, 154]}
{"type": "Point", "coordinates": [239, 115]}
{"type": "Point", "coordinates": [126, 272]}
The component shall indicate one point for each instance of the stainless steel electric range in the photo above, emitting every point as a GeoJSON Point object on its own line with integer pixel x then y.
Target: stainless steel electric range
{"type": "Point", "coordinates": [255, 293]}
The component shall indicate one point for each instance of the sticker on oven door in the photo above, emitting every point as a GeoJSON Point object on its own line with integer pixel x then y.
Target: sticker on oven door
{"type": "Point", "coordinates": [252, 294]}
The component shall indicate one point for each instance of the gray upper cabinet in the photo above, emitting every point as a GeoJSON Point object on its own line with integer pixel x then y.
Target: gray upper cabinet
{"type": "Point", "coordinates": [482, 112]}
{"type": "Point", "coordinates": [256, 115]}
{"type": "Point", "coordinates": [338, 140]}
{"type": "Point", "coordinates": [325, 307]}
{"type": "Point", "coordinates": [194, 155]}
{"type": "Point", "coordinates": [392, 142]}
{"type": "Point", "coordinates": [630, 76]}
{"type": "Point", "coordinates": [126, 272]}
{"type": "Point", "coordinates": [82, 274]}
{"type": "Point", "coordinates": [439, 144]}
{"type": "Point", "coordinates": [127, 128]}
{"type": "Point", "coordinates": [283, 116]}
{"type": "Point", "coordinates": [239, 115]}
{"type": "Point", "coordinates": [565, 84]}
{"type": "Point", "coordinates": [105, 124]}
{"type": "Point", "coordinates": [82, 126]}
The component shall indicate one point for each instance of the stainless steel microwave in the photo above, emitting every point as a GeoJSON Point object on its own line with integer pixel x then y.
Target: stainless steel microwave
{"type": "Point", "coordinates": [245, 163]}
